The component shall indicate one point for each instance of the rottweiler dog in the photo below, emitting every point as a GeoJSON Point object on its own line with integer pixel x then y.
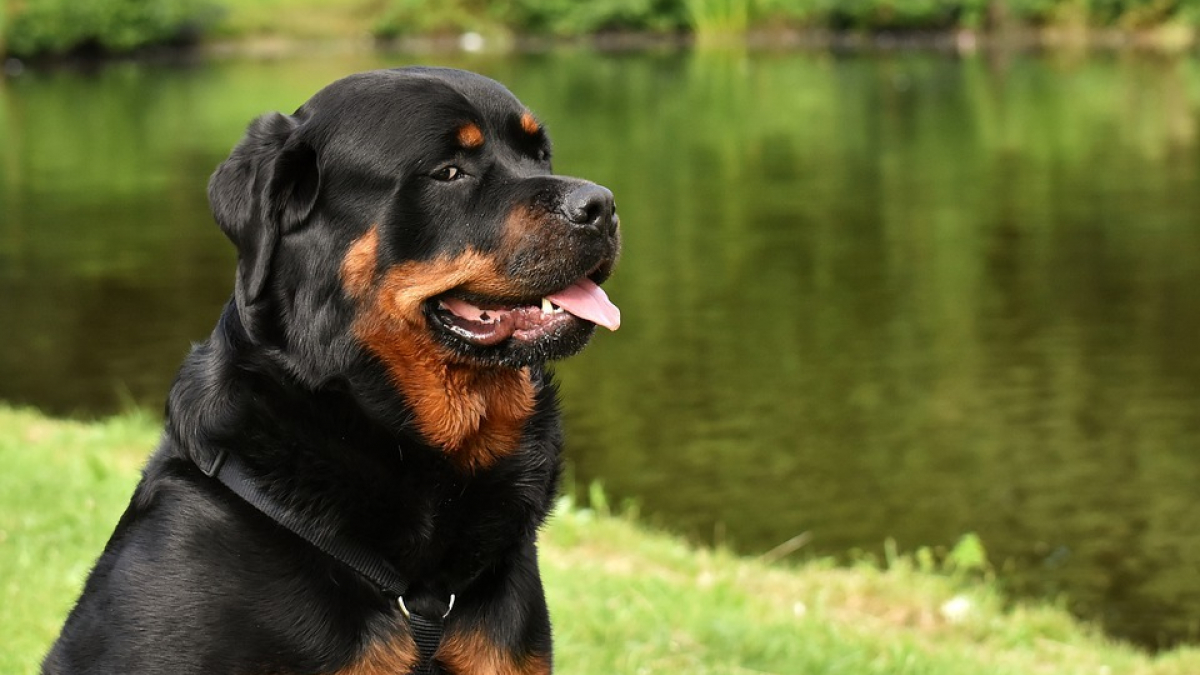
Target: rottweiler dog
{"type": "Point", "coordinates": [356, 463]}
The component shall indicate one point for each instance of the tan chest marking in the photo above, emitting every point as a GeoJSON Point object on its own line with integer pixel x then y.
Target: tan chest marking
{"type": "Point", "coordinates": [474, 654]}
{"type": "Point", "coordinates": [394, 656]}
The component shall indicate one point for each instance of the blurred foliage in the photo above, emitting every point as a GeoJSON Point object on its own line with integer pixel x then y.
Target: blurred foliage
{"type": "Point", "coordinates": [60, 26]}
{"type": "Point", "coordinates": [903, 14]}
{"type": "Point", "coordinates": [554, 17]}
{"type": "Point", "coordinates": [569, 17]}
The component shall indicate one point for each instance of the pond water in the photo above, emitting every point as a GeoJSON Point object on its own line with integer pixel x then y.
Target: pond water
{"type": "Point", "coordinates": [902, 296]}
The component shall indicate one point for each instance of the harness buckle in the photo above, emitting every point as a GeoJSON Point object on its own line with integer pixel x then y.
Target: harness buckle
{"type": "Point", "coordinates": [213, 467]}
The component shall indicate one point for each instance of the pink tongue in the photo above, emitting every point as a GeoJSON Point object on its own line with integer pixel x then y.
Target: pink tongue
{"type": "Point", "coordinates": [587, 301]}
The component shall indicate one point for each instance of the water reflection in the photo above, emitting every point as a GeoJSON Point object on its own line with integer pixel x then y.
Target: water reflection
{"type": "Point", "coordinates": [907, 296]}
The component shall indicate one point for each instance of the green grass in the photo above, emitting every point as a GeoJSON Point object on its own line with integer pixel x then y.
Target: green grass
{"type": "Point", "coordinates": [624, 600]}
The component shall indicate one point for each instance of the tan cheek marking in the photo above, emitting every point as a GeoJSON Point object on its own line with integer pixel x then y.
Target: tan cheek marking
{"type": "Point", "coordinates": [476, 414]}
{"type": "Point", "coordinates": [529, 124]}
{"type": "Point", "coordinates": [473, 654]}
{"type": "Point", "coordinates": [358, 266]}
{"type": "Point", "coordinates": [470, 136]}
{"type": "Point", "coordinates": [406, 286]}
{"type": "Point", "coordinates": [384, 658]}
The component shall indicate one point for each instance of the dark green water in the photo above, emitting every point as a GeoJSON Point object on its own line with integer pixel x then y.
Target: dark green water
{"type": "Point", "coordinates": [904, 295]}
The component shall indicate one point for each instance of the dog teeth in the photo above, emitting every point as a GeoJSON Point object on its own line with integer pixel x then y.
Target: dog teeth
{"type": "Point", "coordinates": [550, 308]}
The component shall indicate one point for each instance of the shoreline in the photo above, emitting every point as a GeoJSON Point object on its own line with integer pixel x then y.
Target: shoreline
{"type": "Point", "coordinates": [1163, 41]}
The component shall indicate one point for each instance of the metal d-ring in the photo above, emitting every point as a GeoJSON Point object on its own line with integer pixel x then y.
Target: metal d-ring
{"type": "Point", "coordinates": [408, 615]}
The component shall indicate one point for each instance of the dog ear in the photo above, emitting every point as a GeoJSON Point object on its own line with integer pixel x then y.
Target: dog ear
{"type": "Point", "coordinates": [267, 186]}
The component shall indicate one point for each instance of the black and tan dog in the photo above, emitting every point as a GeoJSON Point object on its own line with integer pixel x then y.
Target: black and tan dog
{"type": "Point", "coordinates": [356, 463]}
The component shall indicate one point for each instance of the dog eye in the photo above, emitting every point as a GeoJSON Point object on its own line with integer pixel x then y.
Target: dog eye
{"type": "Point", "coordinates": [448, 173]}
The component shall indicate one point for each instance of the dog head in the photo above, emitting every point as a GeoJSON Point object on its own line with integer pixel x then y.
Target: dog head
{"type": "Point", "coordinates": [412, 215]}
{"type": "Point", "coordinates": [435, 187]}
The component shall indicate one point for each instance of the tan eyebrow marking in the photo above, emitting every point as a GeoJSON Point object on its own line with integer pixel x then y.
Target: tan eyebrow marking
{"type": "Point", "coordinates": [528, 124]}
{"type": "Point", "coordinates": [470, 136]}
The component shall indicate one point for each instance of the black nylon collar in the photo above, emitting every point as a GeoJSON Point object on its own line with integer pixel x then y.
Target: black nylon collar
{"type": "Point", "coordinates": [426, 631]}
{"type": "Point", "coordinates": [230, 470]}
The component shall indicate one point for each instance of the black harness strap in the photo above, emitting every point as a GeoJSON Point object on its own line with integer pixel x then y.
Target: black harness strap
{"type": "Point", "coordinates": [426, 631]}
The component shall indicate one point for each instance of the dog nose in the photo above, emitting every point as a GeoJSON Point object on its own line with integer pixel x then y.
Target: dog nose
{"type": "Point", "coordinates": [590, 206]}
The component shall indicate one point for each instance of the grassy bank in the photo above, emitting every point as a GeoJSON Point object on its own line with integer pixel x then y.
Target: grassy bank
{"type": "Point", "coordinates": [50, 27]}
{"type": "Point", "coordinates": [624, 600]}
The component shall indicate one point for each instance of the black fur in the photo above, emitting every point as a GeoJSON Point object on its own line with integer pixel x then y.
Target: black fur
{"type": "Point", "coordinates": [195, 580]}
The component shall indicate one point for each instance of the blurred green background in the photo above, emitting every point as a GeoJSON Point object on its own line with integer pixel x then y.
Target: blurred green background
{"type": "Point", "coordinates": [868, 294]}
{"type": "Point", "coordinates": [42, 27]}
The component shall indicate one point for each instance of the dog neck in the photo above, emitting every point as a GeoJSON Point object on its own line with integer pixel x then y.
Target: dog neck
{"type": "Point", "coordinates": [475, 414]}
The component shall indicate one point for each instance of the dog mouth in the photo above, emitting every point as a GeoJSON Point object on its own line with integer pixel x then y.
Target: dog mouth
{"type": "Point", "coordinates": [486, 322]}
